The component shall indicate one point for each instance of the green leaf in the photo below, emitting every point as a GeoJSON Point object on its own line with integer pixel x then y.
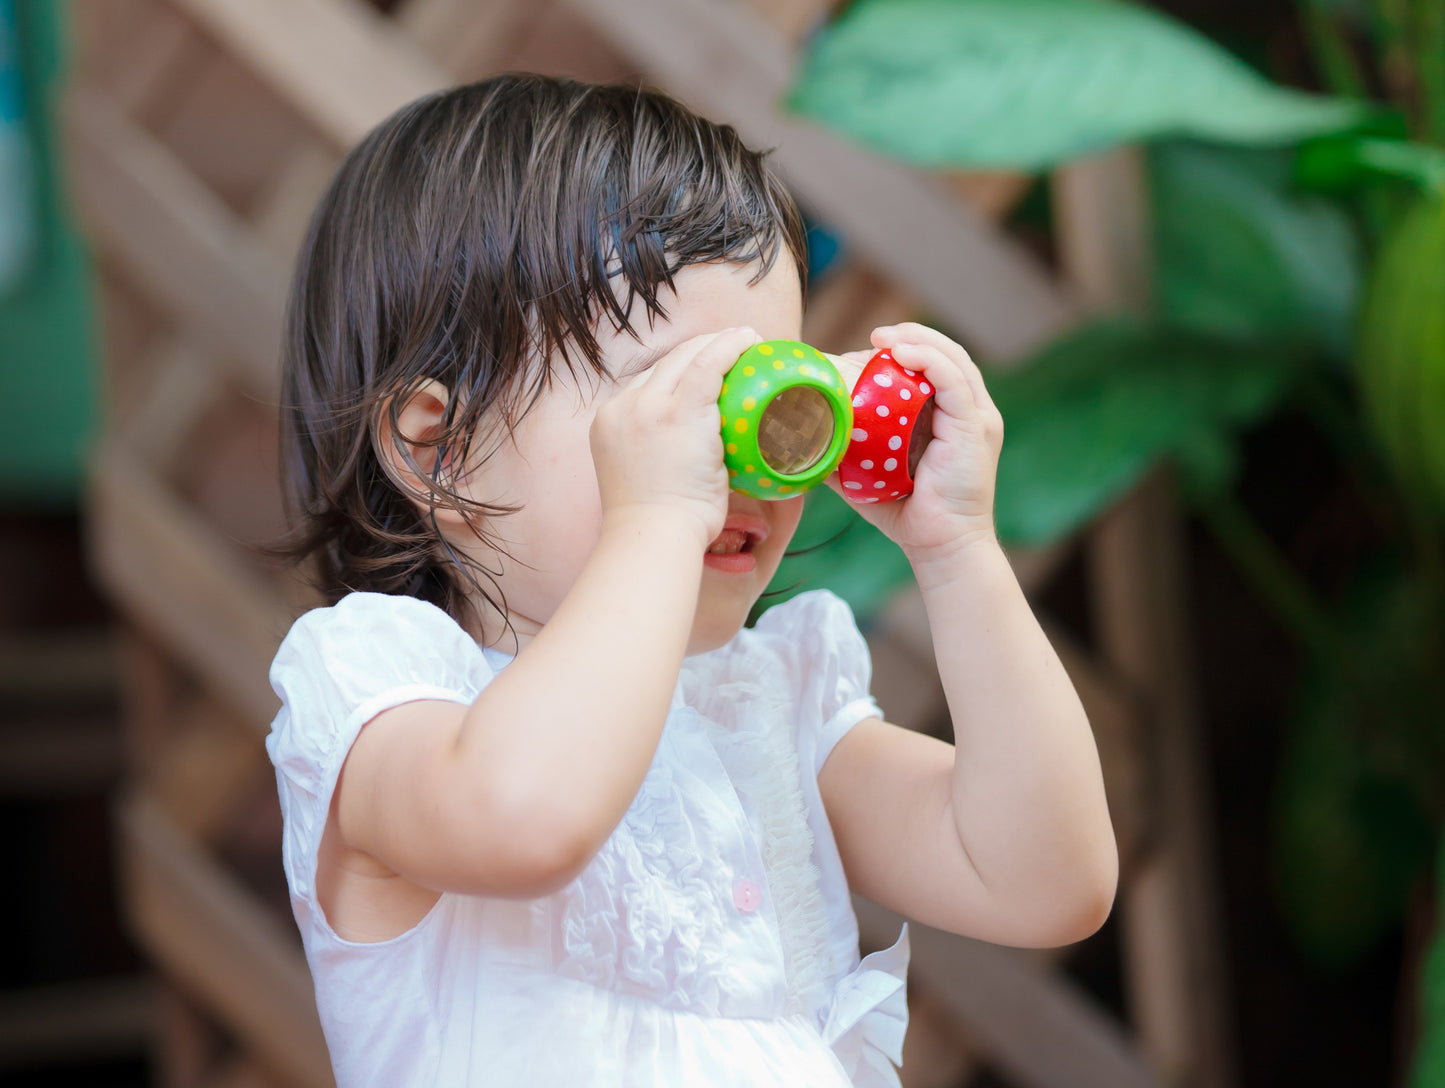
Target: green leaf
{"type": "Point", "coordinates": [1239, 254]}
{"type": "Point", "coordinates": [1359, 770]}
{"type": "Point", "coordinates": [1401, 356]}
{"type": "Point", "coordinates": [1025, 84]}
{"type": "Point", "coordinates": [1341, 162]}
{"type": "Point", "coordinates": [1429, 1062]}
{"type": "Point", "coordinates": [1086, 418]}
{"type": "Point", "coordinates": [836, 549]}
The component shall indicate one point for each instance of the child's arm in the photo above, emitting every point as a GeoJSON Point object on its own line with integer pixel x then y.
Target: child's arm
{"type": "Point", "coordinates": [1006, 835]}
{"type": "Point", "coordinates": [515, 794]}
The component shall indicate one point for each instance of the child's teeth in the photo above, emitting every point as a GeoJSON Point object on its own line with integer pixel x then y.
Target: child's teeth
{"type": "Point", "coordinates": [727, 542]}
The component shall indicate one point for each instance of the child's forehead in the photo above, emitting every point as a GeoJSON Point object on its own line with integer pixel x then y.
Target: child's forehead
{"type": "Point", "coordinates": [707, 298]}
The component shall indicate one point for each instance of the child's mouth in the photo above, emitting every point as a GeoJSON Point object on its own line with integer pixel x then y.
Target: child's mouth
{"type": "Point", "coordinates": [732, 550]}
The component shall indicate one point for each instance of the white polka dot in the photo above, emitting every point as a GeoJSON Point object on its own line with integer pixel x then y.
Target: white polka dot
{"type": "Point", "coordinates": [902, 421]}
{"type": "Point", "coordinates": [890, 464]}
{"type": "Point", "coordinates": [857, 402]}
{"type": "Point", "coordinates": [923, 388]}
{"type": "Point", "coordinates": [895, 442]}
{"type": "Point", "coordinates": [878, 483]}
{"type": "Point", "coordinates": [905, 394]}
{"type": "Point", "coordinates": [895, 494]}
{"type": "Point", "coordinates": [860, 435]}
{"type": "Point", "coordinates": [867, 498]}
{"type": "Point", "coordinates": [852, 485]}
{"type": "Point", "coordinates": [883, 409]}
{"type": "Point", "coordinates": [910, 373]}
{"type": "Point", "coordinates": [865, 464]}
{"type": "Point", "coordinates": [883, 379]}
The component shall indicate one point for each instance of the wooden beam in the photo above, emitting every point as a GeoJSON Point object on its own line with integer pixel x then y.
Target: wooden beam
{"type": "Point", "coordinates": [1175, 959]}
{"type": "Point", "coordinates": [76, 1021]}
{"type": "Point", "coordinates": [176, 238]}
{"type": "Point", "coordinates": [174, 574]}
{"type": "Point", "coordinates": [1030, 1023]}
{"type": "Point", "coordinates": [340, 63]}
{"type": "Point", "coordinates": [726, 62]}
{"type": "Point", "coordinates": [211, 936]}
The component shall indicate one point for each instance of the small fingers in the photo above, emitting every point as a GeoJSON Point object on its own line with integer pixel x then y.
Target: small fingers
{"type": "Point", "coordinates": [912, 333]}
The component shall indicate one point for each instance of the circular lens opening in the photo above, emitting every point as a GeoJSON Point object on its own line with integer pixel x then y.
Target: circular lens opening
{"type": "Point", "coordinates": [922, 435]}
{"type": "Point", "coordinates": [795, 430]}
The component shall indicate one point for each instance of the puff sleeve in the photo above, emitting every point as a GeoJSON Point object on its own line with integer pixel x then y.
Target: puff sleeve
{"type": "Point", "coordinates": [818, 638]}
{"type": "Point", "coordinates": [337, 668]}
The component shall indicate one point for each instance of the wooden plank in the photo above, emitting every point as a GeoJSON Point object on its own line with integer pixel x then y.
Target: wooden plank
{"type": "Point", "coordinates": [206, 770]}
{"type": "Point", "coordinates": [1102, 231]}
{"type": "Point", "coordinates": [176, 239]}
{"type": "Point", "coordinates": [90, 1020]}
{"type": "Point", "coordinates": [793, 19]}
{"type": "Point", "coordinates": [210, 935]}
{"type": "Point", "coordinates": [340, 63]}
{"type": "Point", "coordinates": [1169, 928]}
{"type": "Point", "coordinates": [177, 577]}
{"type": "Point", "coordinates": [471, 39]}
{"type": "Point", "coordinates": [730, 65]}
{"type": "Point", "coordinates": [1030, 1023]}
{"type": "Point", "coordinates": [1175, 957]}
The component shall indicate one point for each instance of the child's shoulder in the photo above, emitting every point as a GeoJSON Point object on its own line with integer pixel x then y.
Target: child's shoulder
{"type": "Point", "coordinates": [379, 633]}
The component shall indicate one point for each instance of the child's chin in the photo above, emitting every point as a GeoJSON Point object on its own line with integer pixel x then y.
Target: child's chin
{"type": "Point", "coordinates": [716, 626]}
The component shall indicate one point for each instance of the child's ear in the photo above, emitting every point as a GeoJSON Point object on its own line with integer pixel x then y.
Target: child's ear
{"type": "Point", "coordinates": [420, 412]}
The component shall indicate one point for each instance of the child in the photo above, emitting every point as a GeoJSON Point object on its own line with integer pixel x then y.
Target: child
{"type": "Point", "coordinates": [553, 817]}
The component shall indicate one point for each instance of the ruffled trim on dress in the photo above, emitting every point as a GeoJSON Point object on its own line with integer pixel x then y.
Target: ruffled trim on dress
{"type": "Point", "coordinates": [762, 761]}
{"type": "Point", "coordinates": [868, 1016]}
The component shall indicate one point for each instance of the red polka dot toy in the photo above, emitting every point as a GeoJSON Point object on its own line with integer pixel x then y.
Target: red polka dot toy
{"type": "Point", "coordinates": [892, 425]}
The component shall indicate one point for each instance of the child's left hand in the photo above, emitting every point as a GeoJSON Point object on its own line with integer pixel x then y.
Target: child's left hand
{"type": "Point", "coordinates": [951, 506]}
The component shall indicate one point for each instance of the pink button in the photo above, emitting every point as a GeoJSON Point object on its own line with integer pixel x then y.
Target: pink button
{"type": "Point", "coordinates": [747, 896]}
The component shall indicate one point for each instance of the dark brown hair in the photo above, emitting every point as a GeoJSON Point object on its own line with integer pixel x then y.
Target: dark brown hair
{"type": "Point", "coordinates": [476, 237]}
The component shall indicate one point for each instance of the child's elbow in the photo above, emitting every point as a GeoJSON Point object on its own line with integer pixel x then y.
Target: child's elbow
{"type": "Point", "coordinates": [1092, 900]}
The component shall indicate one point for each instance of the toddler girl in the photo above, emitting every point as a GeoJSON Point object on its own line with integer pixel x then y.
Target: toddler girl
{"type": "Point", "coordinates": [552, 815]}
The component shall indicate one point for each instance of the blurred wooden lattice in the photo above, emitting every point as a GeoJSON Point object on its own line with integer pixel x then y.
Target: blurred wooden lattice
{"type": "Point", "coordinates": [199, 135]}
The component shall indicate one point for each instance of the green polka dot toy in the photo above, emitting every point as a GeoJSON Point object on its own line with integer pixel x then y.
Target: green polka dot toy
{"type": "Point", "coordinates": [786, 417]}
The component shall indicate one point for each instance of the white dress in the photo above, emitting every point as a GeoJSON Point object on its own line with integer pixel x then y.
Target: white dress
{"type": "Point", "coordinates": [711, 941]}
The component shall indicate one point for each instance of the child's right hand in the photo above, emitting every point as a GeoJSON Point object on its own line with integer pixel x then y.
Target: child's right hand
{"type": "Point", "coordinates": [657, 441]}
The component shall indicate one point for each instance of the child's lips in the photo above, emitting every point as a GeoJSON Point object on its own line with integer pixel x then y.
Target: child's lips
{"type": "Point", "coordinates": [731, 551]}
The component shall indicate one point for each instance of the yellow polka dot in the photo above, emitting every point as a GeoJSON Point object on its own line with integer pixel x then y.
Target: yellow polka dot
{"type": "Point", "coordinates": [732, 447]}
{"type": "Point", "coordinates": [784, 487]}
{"type": "Point", "coordinates": [820, 355]}
{"type": "Point", "coordinates": [747, 468]}
{"type": "Point", "coordinates": [765, 384]}
{"type": "Point", "coordinates": [725, 387]}
{"type": "Point", "coordinates": [740, 425]}
{"type": "Point", "coordinates": [763, 481]}
{"type": "Point", "coordinates": [778, 364]}
{"type": "Point", "coordinates": [732, 472]}
{"type": "Point", "coordinates": [749, 403]}
{"type": "Point", "coordinates": [798, 352]}
{"type": "Point", "coordinates": [749, 371]}
{"type": "Point", "coordinates": [765, 349]}
{"type": "Point", "coordinates": [805, 370]}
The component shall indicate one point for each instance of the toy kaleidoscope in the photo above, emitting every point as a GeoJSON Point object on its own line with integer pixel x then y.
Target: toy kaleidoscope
{"type": "Point", "coordinates": [789, 422]}
{"type": "Point", "coordinates": [785, 419]}
{"type": "Point", "coordinates": [892, 424]}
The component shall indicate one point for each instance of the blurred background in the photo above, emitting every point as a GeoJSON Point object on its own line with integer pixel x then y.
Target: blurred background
{"type": "Point", "coordinates": [1199, 248]}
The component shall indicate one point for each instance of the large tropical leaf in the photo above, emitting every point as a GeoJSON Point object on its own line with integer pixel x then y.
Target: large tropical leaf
{"type": "Point", "coordinates": [1088, 416]}
{"type": "Point", "coordinates": [1025, 84]}
{"type": "Point", "coordinates": [1240, 254]}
